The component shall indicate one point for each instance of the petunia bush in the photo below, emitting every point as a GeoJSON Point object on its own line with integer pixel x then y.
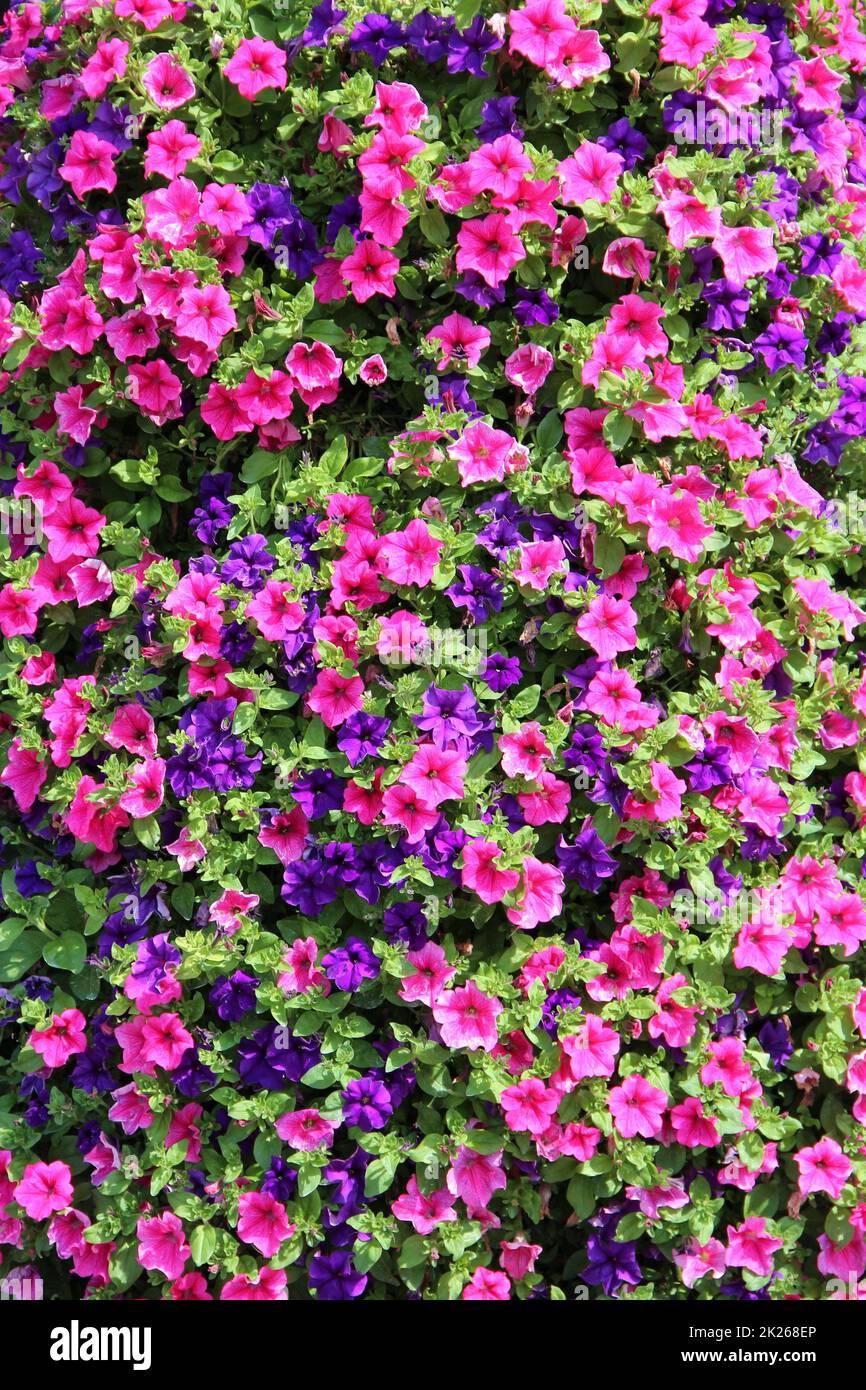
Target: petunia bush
{"type": "Point", "coordinates": [432, 683]}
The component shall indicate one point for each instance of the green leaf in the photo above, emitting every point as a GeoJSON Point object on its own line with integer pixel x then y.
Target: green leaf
{"type": "Point", "coordinates": [581, 1197]}
{"type": "Point", "coordinates": [20, 956]}
{"type": "Point", "coordinates": [202, 1244]}
{"type": "Point", "coordinates": [549, 432]}
{"type": "Point", "coordinates": [66, 952]}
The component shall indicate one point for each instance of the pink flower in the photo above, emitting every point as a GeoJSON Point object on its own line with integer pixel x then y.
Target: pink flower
{"type": "Point", "coordinates": [302, 974]}
{"type": "Point", "coordinates": [275, 611]}
{"type": "Point", "coordinates": [728, 1066]}
{"type": "Point", "coordinates": [762, 946]}
{"type": "Point", "coordinates": [529, 1106]}
{"type": "Point", "coordinates": [590, 174]}
{"type": "Point", "coordinates": [481, 872]}
{"type": "Point", "coordinates": [305, 1130]}
{"type": "Point", "coordinates": [133, 728]}
{"type": "Point", "coordinates": [172, 215]}
{"type": "Point", "coordinates": [369, 270]}
{"type": "Point", "coordinates": [523, 754]}
{"type": "Point", "coordinates": [538, 562]}
{"type": "Point", "coordinates": [425, 1211]}
{"type": "Point", "coordinates": [637, 1107]}
{"type": "Point", "coordinates": [403, 806]}
{"type": "Point", "coordinates": [481, 453]}
{"type": "Point", "coordinates": [592, 1051]}
{"type": "Point", "coordinates": [286, 835]}
{"type": "Point", "coordinates": [750, 1246]}
{"type": "Point", "coordinates": [161, 1244]}
{"type": "Point", "coordinates": [467, 1018]}
{"type": "Point", "coordinates": [435, 774]}
{"type": "Point", "coordinates": [94, 822]}
{"type": "Point", "coordinates": [539, 898]}
{"type": "Point", "coordinates": [167, 82]}
{"type": "Point", "coordinates": [263, 399]}
{"type": "Point", "coordinates": [75, 420]}
{"type": "Point", "coordinates": [410, 556]}
{"type": "Point", "coordinates": [149, 13]}
{"type": "Point", "coordinates": [164, 1040]}
{"type": "Point", "coordinates": [529, 367]}
{"type": "Point", "coordinates": [107, 64]}
{"type": "Point", "coordinates": [335, 697]}
{"type": "Point", "coordinates": [156, 390]}
{"type": "Point", "coordinates": [487, 1286]}
{"type": "Point", "coordinates": [398, 108]}
{"type": "Point", "coordinates": [688, 43]}
{"type": "Point", "coordinates": [145, 792]}
{"type": "Point", "coordinates": [62, 1039]}
{"type": "Point", "coordinates": [540, 31]}
{"type": "Point", "coordinates": [823, 1168]}
{"type": "Point", "coordinates": [19, 611]}
{"type": "Point", "coordinates": [383, 217]}
{"type": "Point", "coordinates": [498, 167]}
{"type": "Point", "coordinates": [687, 218]}
{"type": "Point", "coordinates": [817, 85]}
{"type": "Point", "coordinates": [628, 258]}
{"type": "Point", "coordinates": [44, 1188]}
{"type": "Point", "coordinates": [89, 164]}
{"type": "Point", "coordinates": [256, 64]}
{"type": "Point", "coordinates": [609, 627]}
{"type": "Point", "coordinates": [314, 371]}
{"type": "Point", "coordinates": [676, 525]}
{"type": "Point", "coordinates": [205, 315]}
{"type": "Point", "coordinates": [170, 149]}
{"type": "Point", "coordinates": [699, 1261]}
{"type": "Point", "coordinates": [489, 246]}
{"type": "Point", "coordinates": [460, 341]}
{"type": "Point", "coordinates": [692, 1127]}
{"type": "Point", "coordinates": [263, 1223]}
{"type": "Point", "coordinates": [266, 1286]}
{"type": "Point", "coordinates": [432, 973]}
{"type": "Point", "coordinates": [745, 251]}
{"type": "Point", "coordinates": [475, 1177]}
{"type": "Point", "coordinates": [230, 907]}
{"type": "Point", "coordinates": [224, 413]}
{"type": "Point", "coordinates": [373, 371]}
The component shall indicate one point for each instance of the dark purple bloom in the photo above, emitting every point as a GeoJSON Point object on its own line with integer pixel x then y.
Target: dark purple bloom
{"type": "Point", "coordinates": [350, 965]}
{"type": "Point", "coordinates": [234, 995]}
{"type": "Point", "coordinates": [376, 35]}
{"type": "Point", "coordinates": [334, 1277]}
{"type": "Point", "coordinates": [587, 860]}
{"type": "Point", "coordinates": [361, 736]}
{"type": "Point", "coordinates": [366, 1104]}
{"type": "Point", "coordinates": [500, 672]}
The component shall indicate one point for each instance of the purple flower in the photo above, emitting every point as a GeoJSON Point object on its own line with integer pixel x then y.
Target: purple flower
{"type": "Point", "coordinates": [376, 35]}
{"type": "Point", "coordinates": [234, 995]}
{"type": "Point", "coordinates": [477, 592]}
{"type": "Point", "coordinates": [308, 886]}
{"type": "Point", "coordinates": [586, 860]}
{"type": "Point", "coordinates": [534, 308]}
{"type": "Point", "coordinates": [782, 345]}
{"type": "Point", "coordinates": [249, 563]}
{"type": "Point", "coordinates": [334, 1277]}
{"type": "Point", "coordinates": [350, 965]}
{"type": "Point", "coordinates": [406, 923]}
{"type": "Point", "coordinates": [497, 119]}
{"type": "Point", "coordinates": [318, 792]}
{"type": "Point", "coordinates": [361, 736]}
{"type": "Point", "coordinates": [500, 672]}
{"type": "Point", "coordinates": [366, 1104]}
{"type": "Point", "coordinates": [468, 50]}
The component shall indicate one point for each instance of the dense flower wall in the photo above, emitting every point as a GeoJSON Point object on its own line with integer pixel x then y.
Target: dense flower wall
{"type": "Point", "coordinates": [431, 692]}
